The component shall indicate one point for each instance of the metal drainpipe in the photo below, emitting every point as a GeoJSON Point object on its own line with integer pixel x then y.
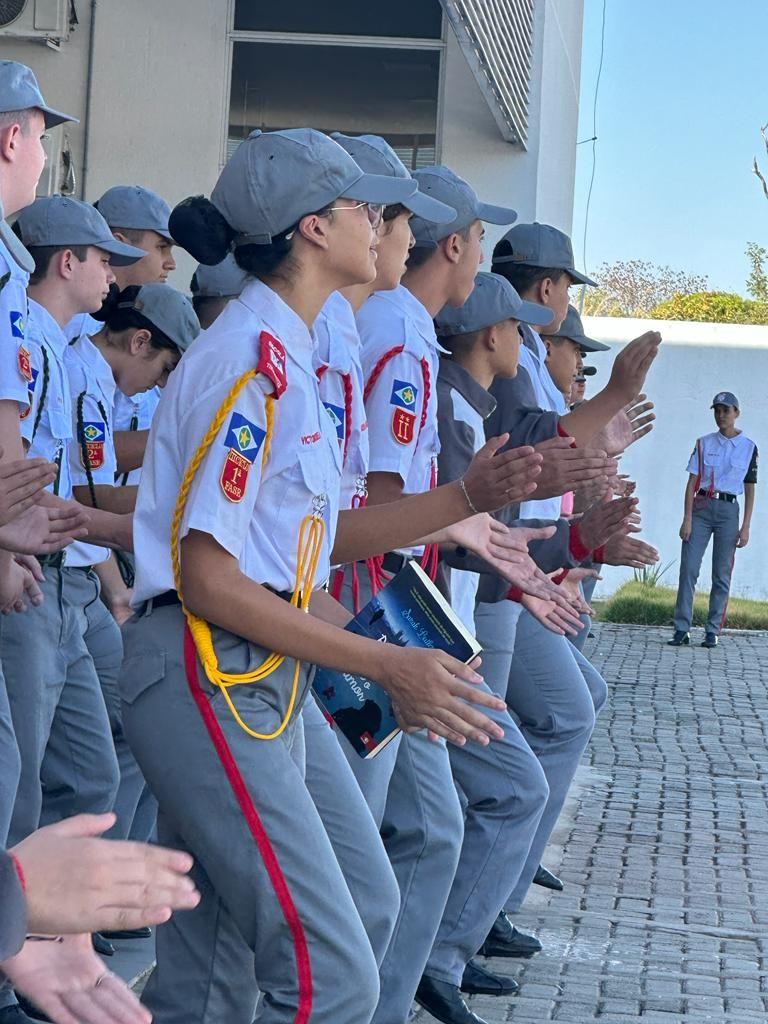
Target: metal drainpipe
{"type": "Point", "coordinates": [88, 95]}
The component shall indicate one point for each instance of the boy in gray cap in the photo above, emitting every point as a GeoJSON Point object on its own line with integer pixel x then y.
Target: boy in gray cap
{"type": "Point", "coordinates": [213, 287]}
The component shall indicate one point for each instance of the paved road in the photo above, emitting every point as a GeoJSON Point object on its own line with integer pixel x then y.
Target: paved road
{"type": "Point", "coordinates": [664, 848]}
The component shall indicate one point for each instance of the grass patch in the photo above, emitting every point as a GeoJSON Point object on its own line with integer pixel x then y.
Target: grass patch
{"type": "Point", "coordinates": [642, 605]}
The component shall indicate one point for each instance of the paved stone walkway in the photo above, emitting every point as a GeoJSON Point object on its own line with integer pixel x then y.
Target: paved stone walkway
{"type": "Point", "coordinates": [663, 848]}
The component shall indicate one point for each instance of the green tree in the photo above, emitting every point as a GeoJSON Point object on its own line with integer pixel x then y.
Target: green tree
{"type": "Point", "coordinates": [757, 282]}
{"type": "Point", "coordinates": [712, 307]}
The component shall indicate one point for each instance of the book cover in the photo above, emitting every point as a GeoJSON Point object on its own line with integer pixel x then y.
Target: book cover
{"type": "Point", "coordinates": [411, 612]}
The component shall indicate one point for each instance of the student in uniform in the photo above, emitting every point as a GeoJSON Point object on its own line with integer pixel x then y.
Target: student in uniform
{"type": "Point", "coordinates": [213, 287]}
{"type": "Point", "coordinates": [722, 467]}
{"type": "Point", "coordinates": [238, 510]}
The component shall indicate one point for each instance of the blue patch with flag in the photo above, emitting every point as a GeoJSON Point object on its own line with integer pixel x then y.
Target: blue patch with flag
{"type": "Point", "coordinates": [93, 432]}
{"type": "Point", "coordinates": [403, 395]}
{"type": "Point", "coordinates": [17, 324]}
{"type": "Point", "coordinates": [337, 418]}
{"type": "Point", "coordinates": [244, 437]}
{"type": "Point", "coordinates": [33, 383]}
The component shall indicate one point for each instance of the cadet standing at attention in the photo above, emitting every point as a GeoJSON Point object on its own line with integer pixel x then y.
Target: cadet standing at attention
{"type": "Point", "coordinates": [722, 467]}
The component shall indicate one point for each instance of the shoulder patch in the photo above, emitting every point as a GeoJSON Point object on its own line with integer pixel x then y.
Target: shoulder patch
{"type": "Point", "coordinates": [92, 435]}
{"type": "Point", "coordinates": [17, 324]}
{"type": "Point", "coordinates": [244, 437]}
{"type": "Point", "coordinates": [25, 363]}
{"type": "Point", "coordinates": [403, 425]}
{"type": "Point", "coordinates": [31, 385]}
{"type": "Point", "coordinates": [337, 418]}
{"type": "Point", "coordinates": [404, 395]}
{"type": "Point", "coordinates": [272, 362]}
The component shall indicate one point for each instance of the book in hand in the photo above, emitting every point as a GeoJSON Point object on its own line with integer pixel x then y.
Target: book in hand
{"type": "Point", "coordinates": [409, 611]}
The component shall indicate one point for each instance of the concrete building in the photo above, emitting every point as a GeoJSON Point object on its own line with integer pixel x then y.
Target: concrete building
{"type": "Point", "coordinates": [695, 362]}
{"type": "Point", "coordinates": [165, 90]}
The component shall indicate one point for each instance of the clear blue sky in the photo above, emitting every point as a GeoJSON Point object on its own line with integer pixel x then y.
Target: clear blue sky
{"type": "Point", "coordinates": [683, 94]}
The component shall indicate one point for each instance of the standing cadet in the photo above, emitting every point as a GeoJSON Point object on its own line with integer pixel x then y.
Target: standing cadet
{"type": "Point", "coordinates": [238, 509]}
{"type": "Point", "coordinates": [213, 287]}
{"type": "Point", "coordinates": [722, 467]}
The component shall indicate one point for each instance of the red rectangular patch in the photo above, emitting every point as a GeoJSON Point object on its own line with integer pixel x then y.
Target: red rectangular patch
{"type": "Point", "coordinates": [403, 425]}
{"type": "Point", "coordinates": [272, 362]}
{"type": "Point", "coordinates": [25, 364]}
{"type": "Point", "coordinates": [234, 476]}
{"type": "Point", "coordinates": [94, 452]}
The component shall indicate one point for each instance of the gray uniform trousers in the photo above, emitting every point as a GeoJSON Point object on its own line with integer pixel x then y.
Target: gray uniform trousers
{"type": "Point", "coordinates": [505, 792]}
{"type": "Point", "coordinates": [720, 521]}
{"type": "Point", "coordinates": [10, 763]}
{"type": "Point", "coordinates": [351, 830]}
{"type": "Point", "coordinates": [58, 710]}
{"type": "Point", "coordinates": [554, 693]}
{"type": "Point", "coordinates": [276, 912]}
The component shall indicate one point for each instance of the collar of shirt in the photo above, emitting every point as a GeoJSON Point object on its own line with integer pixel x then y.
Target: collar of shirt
{"type": "Point", "coordinates": [456, 376]}
{"type": "Point", "coordinates": [335, 335]}
{"type": "Point", "coordinates": [407, 303]}
{"type": "Point", "coordinates": [42, 327]}
{"type": "Point", "coordinates": [281, 321]}
{"type": "Point", "coordinates": [532, 340]}
{"type": "Point", "coordinates": [733, 441]}
{"type": "Point", "coordinates": [99, 367]}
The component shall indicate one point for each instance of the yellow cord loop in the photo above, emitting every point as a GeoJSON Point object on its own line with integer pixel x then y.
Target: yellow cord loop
{"type": "Point", "coordinates": [308, 552]}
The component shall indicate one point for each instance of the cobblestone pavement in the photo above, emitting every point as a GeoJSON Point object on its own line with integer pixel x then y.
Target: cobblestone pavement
{"type": "Point", "coordinates": [663, 847]}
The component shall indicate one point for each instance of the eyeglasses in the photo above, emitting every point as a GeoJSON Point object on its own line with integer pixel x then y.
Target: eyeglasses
{"type": "Point", "coordinates": [375, 212]}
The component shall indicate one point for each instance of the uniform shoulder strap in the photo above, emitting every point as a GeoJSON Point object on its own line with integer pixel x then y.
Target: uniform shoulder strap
{"type": "Point", "coordinates": [272, 362]}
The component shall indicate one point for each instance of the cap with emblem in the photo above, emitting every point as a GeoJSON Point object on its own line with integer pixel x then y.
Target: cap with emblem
{"type": "Point", "coordinates": [169, 310]}
{"type": "Point", "coordinates": [375, 156]}
{"type": "Point", "coordinates": [725, 398]}
{"type": "Point", "coordinates": [19, 91]}
{"type": "Point", "coordinates": [136, 208]}
{"type": "Point", "coordinates": [573, 329]}
{"type": "Point", "coordinates": [273, 179]}
{"type": "Point", "coordinates": [222, 281]}
{"type": "Point", "coordinates": [493, 300]}
{"type": "Point", "coordinates": [63, 221]}
{"type": "Point", "coordinates": [539, 245]}
{"type": "Point", "coordinates": [442, 184]}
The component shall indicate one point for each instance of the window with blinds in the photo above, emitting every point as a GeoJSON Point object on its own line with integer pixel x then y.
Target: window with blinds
{"type": "Point", "coordinates": [496, 37]}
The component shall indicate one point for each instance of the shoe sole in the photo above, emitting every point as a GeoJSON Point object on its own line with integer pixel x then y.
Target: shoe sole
{"type": "Point", "coordinates": [488, 992]}
{"type": "Point", "coordinates": [510, 956]}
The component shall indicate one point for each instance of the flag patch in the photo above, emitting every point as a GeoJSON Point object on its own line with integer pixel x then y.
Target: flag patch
{"type": "Point", "coordinates": [244, 437]}
{"type": "Point", "coordinates": [404, 395]}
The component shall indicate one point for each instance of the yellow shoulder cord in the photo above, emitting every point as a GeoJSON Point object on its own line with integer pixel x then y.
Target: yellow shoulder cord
{"type": "Point", "coordinates": [310, 543]}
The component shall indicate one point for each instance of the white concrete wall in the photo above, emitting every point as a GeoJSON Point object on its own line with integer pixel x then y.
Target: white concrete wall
{"type": "Point", "coordinates": [695, 361]}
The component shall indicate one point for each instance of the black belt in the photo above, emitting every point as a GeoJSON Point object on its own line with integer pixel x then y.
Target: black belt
{"type": "Point", "coordinates": [718, 495]}
{"type": "Point", "coordinates": [393, 561]}
{"type": "Point", "coordinates": [53, 561]}
{"type": "Point", "coordinates": [170, 597]}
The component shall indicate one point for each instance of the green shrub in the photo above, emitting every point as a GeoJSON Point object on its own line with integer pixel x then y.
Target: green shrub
{"type": "Point", "coordinates": [641, 604]}
{"type": "Point", "coordinates": [712, 307]}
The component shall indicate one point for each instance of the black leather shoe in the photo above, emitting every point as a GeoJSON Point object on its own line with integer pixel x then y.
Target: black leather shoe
{"type": "Point", "coordinates": [477, 981]}
{"type": "Point", "coordinates": [680, 639]}
{"type": "Point", "coordinates": [101, 945]}
{"type": "Point", "coordinates": [547, 880]}
{"type": "Point", "coordinates": [15, 1015]}
{"type": "Point", "coordinates": [518, 945]}
{"type": "Point", "coordinates": [709, 641]}
{"type": "Point", "coordinates": [444, 1002]}
{"type": "Point", "coordinates": [128, 933]}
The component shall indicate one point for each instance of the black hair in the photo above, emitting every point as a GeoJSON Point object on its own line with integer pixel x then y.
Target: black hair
{"type": "Point", "coordinates": [419, 255]}
{"type": "Point", "coordinates": [43, 254]}
{"type": "Point", "coordinates": [118, 314]}
{"type": "Point", "coordinates": [521, 276]}
{"type": "Point", "coordinates": [461, 344]}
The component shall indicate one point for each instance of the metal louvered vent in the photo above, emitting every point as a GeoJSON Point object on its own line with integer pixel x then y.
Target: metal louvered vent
{"type": "Point", "coordinates": [496, 37]}
{"type": "Point", "coordinates": [10, 10]}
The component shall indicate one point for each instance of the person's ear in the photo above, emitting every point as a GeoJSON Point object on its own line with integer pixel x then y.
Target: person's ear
{"type": "Point", "coordinates": [314, 229]}
{"type": "Point", "coordinates": [453, 247]}
{"type": "Point", "coordinates": [9, 138]}
{"type": "Point", "coordinates": [141, 342]}
{"type": "Point", "coordinates": [547, 344]}
{"type": "Point", "coordinates": [489, 339]}
{"type": "Point", "coordinates": [65, 263]}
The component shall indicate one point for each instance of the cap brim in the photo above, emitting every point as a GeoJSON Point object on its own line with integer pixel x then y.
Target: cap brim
{"type": "Point", "coordinates": [534, 314]}
{"type": "Point", "coordinates": [122, 255]}
{"type": "Point", "coordinates": [54, 117]}
{"type": "Point", "coordinates": [496, 214]}
{"type": "Point", "coordinates": [16, 248]}
{"type": "Point", "coordinates": [589, 371]}
{"type": "Point", "coordinates": [590, 345]}
{"type": "Point", "coordinates": [430, 209]}
{"type": "Point", "coordinates": [580, 278]}
{"type": "Point", "coordinates": [380, 188]}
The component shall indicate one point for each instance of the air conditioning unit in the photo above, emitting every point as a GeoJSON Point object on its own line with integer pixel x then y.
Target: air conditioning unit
{"type": "Point", "coordinates": [35, 19]}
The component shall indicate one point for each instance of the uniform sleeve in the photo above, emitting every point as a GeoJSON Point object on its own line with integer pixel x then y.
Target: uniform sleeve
{"type": "Point", "coordinates": [13, 920]}
{"type": "Point", "coordinates": [393, 409]}
{"type": "Point", "coordinates": [92, 450]}
{"type": "Point", "coordinates": [223, 495]}
{"type": "Point", "coordinates": [518, 414]}
{"type": "Point", "coordinates": [35, 391]}
{"type": "Point", "coordinates": [693, 463]}
{"type": "Point", "coordinates": [751, 477]}
{"type": "Point", "coordinates": [14, 367]}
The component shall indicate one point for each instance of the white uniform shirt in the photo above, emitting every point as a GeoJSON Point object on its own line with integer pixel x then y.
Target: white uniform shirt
{"type": "Point", "coordinates": [340, 377]}
{"type": "Point", "coordinates": [549, 398]}
{"type": "Point", "coordinates": [46, 425]}
{"type": "Point", "coordinates": [134, 413]}
{"type": "Point", "coordinates": [259, 522]}
{"type": "Point", "coordinates": [83, 323]}
{"type": "Point", "coordinates": [727, 461]}
{"type": "Point", "coordinates": [92, 389]}
{"type": "Point", "coordinates": [15, 371]}
{"type": "Point", "coordinates": [396, 402]}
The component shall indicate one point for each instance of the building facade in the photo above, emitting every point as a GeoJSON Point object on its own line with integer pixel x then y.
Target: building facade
{"type": "Point", "coordinates": [165, 90]}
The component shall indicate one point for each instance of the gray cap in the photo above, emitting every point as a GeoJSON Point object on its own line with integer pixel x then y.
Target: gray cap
{"type": "Point", "coordinates": [442, 184]}
{"type": "Point", "coordinates": [493, 300]}
{"type": "Point", "coordinates": [222, 281]}
{"type": "Point", "coordinates": [539, 245]}
{"type": "Point", "coordinates": [169, 310]}
{"type": "Point", "coordinates": [135, 207]}
{"type": "Point", "coordinates": [19, 91]}
{"type": "Point", "coordinates": [62, 221]}
{"type": "Point", "coordinates": [374, 155]}
{"type": "Point", "coordinates": [573, 329]}
{"type": "Point", "coordinates": [725, 398]}
{"type": "Point", "coordinates": [273, 179]}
